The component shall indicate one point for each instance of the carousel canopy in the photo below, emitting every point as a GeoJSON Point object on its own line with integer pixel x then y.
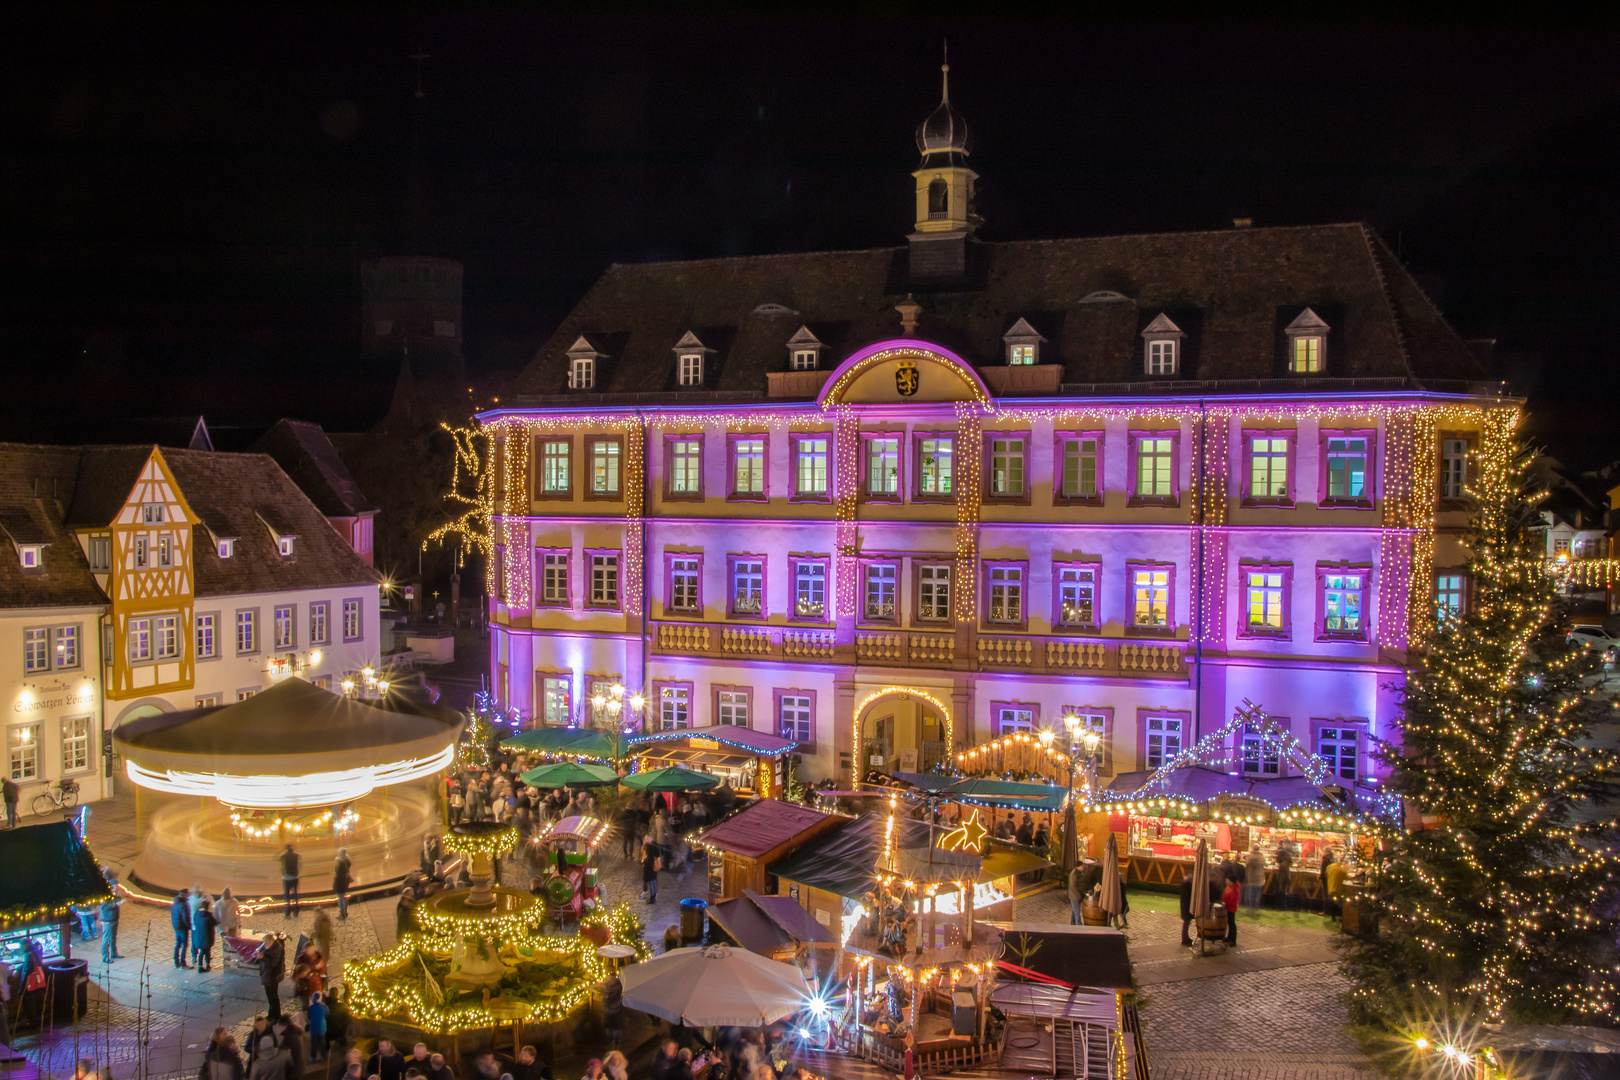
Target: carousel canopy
{"type": "Point", "coordinates": [759, 743]}
{"type": "Point", "coordinates": [294, 744]}
{"type": "Point", "coordinates": [48, 867]}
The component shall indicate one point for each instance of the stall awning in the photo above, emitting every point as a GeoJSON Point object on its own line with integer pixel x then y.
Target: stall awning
{"type": "Point", "coordinates": [48, 867]}
{"type": "Point", "coordinates": [1006, 794]}
{"type": "Point", "coordinates": [747, 740]}
{"type": "Point", "coordinates": [768, 924]}
{"type": "Point", "coordinates": [844, 862]}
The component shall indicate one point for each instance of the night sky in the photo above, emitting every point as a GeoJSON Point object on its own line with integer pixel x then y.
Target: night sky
{"type": "Point", "coordinates": [186, 197]}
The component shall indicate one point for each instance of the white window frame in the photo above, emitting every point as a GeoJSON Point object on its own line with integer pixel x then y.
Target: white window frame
{"type": "Point", "coordinates": [606, 455]}
{"type": "Point", "coordinates": [1164, 742]}
{"type": "Point", "coordinates": [1014, 718]}
{"type": "Point", "coordinates": [1009, 472]}
{"type": "Point", "coordinates": [1268, 467]}
{"type": "Point", "coordinates": [353, 630]}
{"type": "Point", "coordinates": [22, 759]}
{"type": "Point", "coordinates": [1305, 354]}
{"type": "Point", "coordinates": [582, 373]}
{"type": "Point", "coordinates": [675, 708]}
{"type": "Point", "coordinates": [882, 465]}
{"type": "Point", "coordinates": [207, 629]}
{"type": "Point", "coordinates": [100, 553]}
{"type": "Point", "coordinates": [1333, 738]}
{"type": "Point", "coordinates": [1341, 591]}
{"type": "Point", "coordinates": [811, 459]}
{"type": "Point", "coordinates": [1347, 455]}
{"type": "Point", "coordinates": [227, 547]}
{"type": "Point", "coordinates": [284, 545]}
{"type": "Point", "coordinates": [1019, 355]}
{"type": "Point", "coordinates": [933, 593]}
{"type": "Point", "coordinates": [689, 369]}
{"type": "Point", "coordinates": [685, 586]}
{"type": "Point", "coordinates": [1163, 356]}
{"type": "Point", "coordinates": [1263, 601]}
{"type": "Point", "coordinates": [1450, 595]}
{"type": "Point", "coordinates": [810, 589]}
{"type": "Point", "coordinates": [76, 744]}
{"type": "Point", "coordinates": [320, 622]}
{"type": "Point", "coordinates": [556, 692]}
{"type": "Point", "coordinates": [748, 586]}
{"type": "Point", "coordinates": [1255, 757]}
{"type": "Point", "coordinates": [1082, 453]}
{"type": "Point", "coordinates": [748, 465]}
{"type": "Point", "coordinates": [604, 581]}
{"type": "Point", "coordinates": [555, 465]}
{"type": "Point", "coordinates": [1006, 594]}
{"type": "Point", "coordinates": [66, 647]}
{"type": "Point", "coordinates": [1150, 593]}
{"type": "Point", "coordinates": [247, 631]}
{"type": "Point", "coordinates": [1453, 468]}
{"type": "Point", "coordinates": [803, 360]}
{"type": "Point", "coordinates": [796, 718]}
{"type": "Point", "coordinates": [1155, 467]}
{"type": "Point", "coordinates": [686, 466]}
{"type": "Point", "coordinates": [285, 638]}
{"type": "Point", "coordinates": [36, 649]}
{"type": "Point", "coordinates": [166, 637]}
{"type": "Point", "coordinates": [731, 707]}
{"type": "Point", "coordinates": [936, 465]}
{"type": "Point", "coordinates": [139, 641]}
{"type": "Point", "coordinates": [881, 580]}
{"type": "Point", "coordinates": [1077, 597]}
{"type": "Point", "coordinates": [554, 578]}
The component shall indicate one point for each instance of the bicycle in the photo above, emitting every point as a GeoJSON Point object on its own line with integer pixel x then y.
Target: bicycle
{"type": "Point", "coordinates": [64, 799]}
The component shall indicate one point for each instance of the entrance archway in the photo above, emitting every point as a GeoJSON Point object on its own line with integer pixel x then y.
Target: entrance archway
{"type": "Point", "coordinates": [901, 729]}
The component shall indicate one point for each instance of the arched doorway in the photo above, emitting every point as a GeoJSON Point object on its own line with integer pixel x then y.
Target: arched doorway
{"type": "Point", "coordinates": [902, 729]}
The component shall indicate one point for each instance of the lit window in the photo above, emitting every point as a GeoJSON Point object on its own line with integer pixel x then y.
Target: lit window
{"type": "Point", "coordinates": [605, 580]}
{"type": "Point", "coordinates": [23, 741]}
{"type": "Point", "coordinates": [1161, 357]}
{"type": "Point", "coordinates": [554, 701]}
{"type": "Point", "coordinates": [1259, 751]}
{"type": "Point", "coordinates": [1020, 354]}
{"type": "Point", "coordinates": [140, 551]}
{"type": "Point", "coordinates": [690, 369]}
{"type": "Point", "coordinates": [1013, 718]}
{"type": "Point", "coordinates": [1341, 604]}
{"type": "Point", "coordinates": [1006, 594]}
{"type": "Point", "coordinates": [732, 708]}
{"type": "Point", "coordinates": [1079, 468]}
{"type": "Point", "coordinates": [206, 701]}
{"type": "Point", "coordinates": [935, 466]}
{"type": "Point", "coordinates": [582, 373]}
{"type": "Point", "coordinates": [1347, 468]}
{"type": "Point", "coordinates": [674, 708]}
{"type": "Point", "coordinates": [683, 585]}
{"type": "Point", "coordinates": [554, 579]}
{"type": "Point", "coordinates": [748, 467]}
{"type": "Point", "coordinates": [882, 466]}
{"type": "Point", "coordinates": [205, 637]}
{"type": "Point", "coordinates": [804, 359]}
{"type": "Point", "coordinates": [36, 650]}
{"type": "Point", "coordinates": [140, 640]}
{"type": "Point", "coordinates": [243, 695]}
{"type": "Point", "coordinates": [1453, 468]}
{"type": "Point", "coordinates": [934, 593]}
{"type": "Point", "coordinates": [1150, 598]}
{"type": "Point", "coordinates": [1340, 749]}
{"type": "Point", "coordinates": [810, 468]}
{"type": "Point", "coordinates": [284, 627]}
{"type": "Point", "coordinates": [67, 646]}
{"type": "Point", "coordinates": [227, 548]}
{"type": "Point", "coordinates": [1448, 595]}
{"type": "Point", "coordinates": [166, 553]}
{"type": "Point", "coordinates": [351, 620]}
{"type": "Point", "coordinates": [320, 622]}
{"type": "Point", "coordinates": [880, 587]}
{"type": "Point", "coordinates": [1306, 357]}
{"type": "Point", "coordinates": [810, 590]}
{"type": "Point", "coordinates": [685, 466]}
{"type": "Point", "coordinates": [1154, 459]}
{"type": "Point", "coordinates": [1077, 596]}
{"type": "Point", "coordinates": [605, 467]}
{"type": "Point", "coordinates": [747, 587]}
{"type": "Point", "coordinates": [1268, 467]}
{"type": "Point", "coordinates": [1006, 466]}
{"type": "Point", "coordinates": [796, 721]}
{"type": "Point", "coordinates": [75, 744]}
{"type": "Point", "coordinates": [1265, 601]}
{"type": "Point", "coordinates": [554, 466]}
{"type": "Point", "coordinates": [1163, 740]}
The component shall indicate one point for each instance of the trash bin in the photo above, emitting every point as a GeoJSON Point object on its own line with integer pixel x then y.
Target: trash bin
{"type": "Point", "coordinates": [68, 984]}
{"type": "Point", "coordinates": [692, 910]}
{"type": "Point", "coordinates": [963, 1014]}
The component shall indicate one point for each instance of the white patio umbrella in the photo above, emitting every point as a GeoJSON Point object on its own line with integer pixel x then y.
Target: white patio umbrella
{"type": "Point", "coordinates": [1200, 882]}
{"type": "Point", "coordinates": [714, 987]}
{"type": "Point", "coordinates": [1113, 895]}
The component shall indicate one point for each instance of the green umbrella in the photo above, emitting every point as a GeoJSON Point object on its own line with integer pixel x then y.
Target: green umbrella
{"type": "Point", "coordinates": [567, 774]}
{"type": "Point", "coordinates": [670, 779]}
{"type": "Point", "coordinates": [603, 745]}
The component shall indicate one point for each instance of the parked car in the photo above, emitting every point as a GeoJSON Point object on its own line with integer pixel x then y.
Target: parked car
{"type": "Point", "coordinates": [1593, 637]}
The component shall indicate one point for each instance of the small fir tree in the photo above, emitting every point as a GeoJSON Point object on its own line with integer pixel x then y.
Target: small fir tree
{"type": "Point", "coordinates": [1504, 908]}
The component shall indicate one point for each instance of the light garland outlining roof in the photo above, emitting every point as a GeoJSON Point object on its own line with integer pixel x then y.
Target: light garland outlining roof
{"type": "Point", "coordinates": [758, 743]}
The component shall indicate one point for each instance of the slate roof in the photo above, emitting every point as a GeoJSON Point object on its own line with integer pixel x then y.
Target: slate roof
{"type": "Point", "coordinates": [236, 495]}
{"type": "Point", "coordinates": [1233, 292]}
{"type": "Point", "coordinates": [306, 454]}
{"type": "Point", "coordinates": [36, 482]}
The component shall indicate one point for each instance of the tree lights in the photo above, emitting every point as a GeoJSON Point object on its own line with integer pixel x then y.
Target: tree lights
{"type": "Point", "coordinates": [1504, 907]}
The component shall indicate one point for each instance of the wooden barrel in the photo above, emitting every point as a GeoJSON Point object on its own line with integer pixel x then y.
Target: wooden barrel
{"type": "Point", "coordinates": [1092, 914]}
{"type": "Point", "coordinates": [1212, 927]}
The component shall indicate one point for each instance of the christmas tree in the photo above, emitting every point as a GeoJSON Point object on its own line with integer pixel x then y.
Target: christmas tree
{"type": "Point", "coordinates": [1504, 906]}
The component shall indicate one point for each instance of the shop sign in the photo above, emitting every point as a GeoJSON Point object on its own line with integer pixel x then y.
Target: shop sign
{"type": "Point", "coordinates": [1240, 806]}
{"type": "Point", "coordinates": [702, 744]}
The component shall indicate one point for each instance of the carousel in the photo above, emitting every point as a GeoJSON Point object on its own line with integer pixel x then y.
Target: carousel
{"type": "Point", "coordinates": [221, 790]}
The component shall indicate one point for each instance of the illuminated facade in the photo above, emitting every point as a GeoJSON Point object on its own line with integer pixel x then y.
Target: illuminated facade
{"type": "Point", "coordinates": [900, 501]}
{"type": "Point", "coordinates": [140, 580]}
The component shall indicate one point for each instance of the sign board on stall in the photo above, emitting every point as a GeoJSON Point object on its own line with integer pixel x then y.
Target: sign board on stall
{"type": "Point", "coordinates": [1240, 806]}
{"type": "Point", "coordinates": [702, 744]}
{"type": "Point", "coordinates": [908, 760]}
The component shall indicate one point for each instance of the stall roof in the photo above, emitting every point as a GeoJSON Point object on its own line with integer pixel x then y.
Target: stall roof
{"type": "Point", "coordinates": [759, 743]}
{"type": "Point", "coordinates": [764, 924]}
{"type": "Point", "coordinates": [978, 789]}
{"type": "Point", "coordinates": [1198, 783]}
{"type": "Point", "coordinates": [48, 867]}
{"type": "Point", "coordinates": [844, 862]}
{"type": "Point", "coordinates": [1076, 956]}
{"type": "Point", "coordinates": [768, 824]}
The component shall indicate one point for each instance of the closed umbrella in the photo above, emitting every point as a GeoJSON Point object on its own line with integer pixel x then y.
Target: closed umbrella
{"type": "Point", "coordinates": [670, 779]}
{"type": "Point", "coordinates": [1200, 882]}
{"type": "Point", "coordinates": [1113, 894]}
{"type": "Point", "coordinates": [716, 986]}
{"type": "Point", "coordinates": [568, 774]}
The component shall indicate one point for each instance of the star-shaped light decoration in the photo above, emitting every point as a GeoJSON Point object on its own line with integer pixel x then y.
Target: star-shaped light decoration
{"type": "Point", "coordinates": [968, 836]}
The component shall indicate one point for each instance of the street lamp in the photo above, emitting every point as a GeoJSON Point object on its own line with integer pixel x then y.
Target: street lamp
{"type": "Point", "coordinates": [1077, 741]}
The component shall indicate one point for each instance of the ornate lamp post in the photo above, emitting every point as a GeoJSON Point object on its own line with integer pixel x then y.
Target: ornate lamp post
{"type": "Point", "coordinates": [1077, 742]}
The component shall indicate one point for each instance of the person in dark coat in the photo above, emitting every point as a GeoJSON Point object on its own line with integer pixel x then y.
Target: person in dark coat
{"type": "Point", "coordinates": [180, 920]}
{"type": "Point", "coordinates": [221, 1061]}
{"type": "Point", "coordinates": [387, 1062]}
{"type": "Point", "coordinates": [342, 878]}
{"type": "Point", "coordinates": [649, 870]}
{"type": "Point", "coordinates": [405, 913]}
{"type": "Point", "coordinates": [203, 924]}
{"type": "Point", "coordinates": [272, 969]}
{"type": "Point", "coordinates": [289, 882]}
{"type": "Point", "coordinates": [109, 928]}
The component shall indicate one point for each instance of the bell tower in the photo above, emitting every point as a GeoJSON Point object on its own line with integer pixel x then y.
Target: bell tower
{"type": "Point", "coordinates": [945, 217]}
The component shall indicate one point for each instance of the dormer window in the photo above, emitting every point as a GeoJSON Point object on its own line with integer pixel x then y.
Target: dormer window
{"type": "Point", "coordinates": [690, 371]}
{"type": "Point", "coordinates": [1023, 344]}
{"type": "Point", "coordinates": [1161, 347]}
{"type": "Point", "coordinates": [227, 547]}
{"type": "Point", "coordinates": [804, 350]}
{"type": "Point", "coordinates": [32, 556]}
{"type": "Point", "coordinates": [1307, 344]}
{"type": "Point", "coordinates": [284, 544]}
{"type": "Point", "coordinates": [582, 360]}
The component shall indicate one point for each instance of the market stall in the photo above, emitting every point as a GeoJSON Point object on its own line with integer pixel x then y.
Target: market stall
{"type": "Point", "coordinates": [743, 847]}
{"type": "Point", "coordinates": [49, 871]}
{"type": "Point", "coordinates": [773, 926]}
{"type": "Point", "coordinates": [753, 762]}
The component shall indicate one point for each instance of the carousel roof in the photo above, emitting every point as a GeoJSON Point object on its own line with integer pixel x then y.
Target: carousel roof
{"type": "Point", "coordinates": [293, 728]}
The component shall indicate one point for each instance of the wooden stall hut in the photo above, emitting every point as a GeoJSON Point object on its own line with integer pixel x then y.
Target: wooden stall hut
{"type": "Point", "coordinates": [753, 762]}
{"type": "Point", "coordinates": [775, 927]}
{"type": "Point", "coordinates": [1067, 996]}
{"type": "Point", "coordinates": [49, 870]}
{"type": "Point", "coordinates": [743, 847]}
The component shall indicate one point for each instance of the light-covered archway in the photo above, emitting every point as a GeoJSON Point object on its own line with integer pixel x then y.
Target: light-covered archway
{"type": "Point", "coordinates": [914, 696]}
{"type": "Point", "coordinates": [931, 374]}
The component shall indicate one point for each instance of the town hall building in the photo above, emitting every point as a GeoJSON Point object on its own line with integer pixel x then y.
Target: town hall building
{"type": "Point", "coordinates": [889, 504]}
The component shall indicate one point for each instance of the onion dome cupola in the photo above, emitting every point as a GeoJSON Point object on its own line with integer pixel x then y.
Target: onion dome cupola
{"type": "Point", "coordinates": [945, 217]}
